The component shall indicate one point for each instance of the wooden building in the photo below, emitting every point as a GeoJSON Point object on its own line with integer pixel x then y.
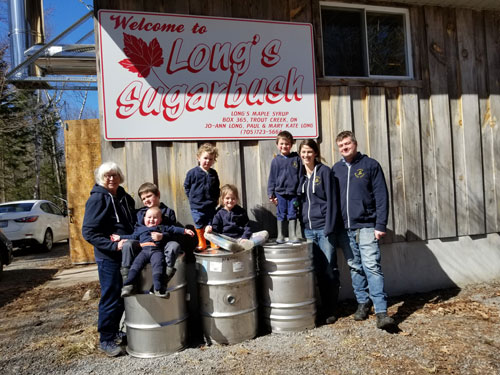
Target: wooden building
{"type": "Point", "coordinates": [428, 115]}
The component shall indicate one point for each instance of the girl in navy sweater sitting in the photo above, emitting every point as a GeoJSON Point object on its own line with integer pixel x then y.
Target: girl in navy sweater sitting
{"type": "Point", "coordinates": [231, 221]}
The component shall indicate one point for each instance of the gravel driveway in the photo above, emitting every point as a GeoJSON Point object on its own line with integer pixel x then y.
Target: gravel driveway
{"type": "Point", "coordinates": [53, 330]}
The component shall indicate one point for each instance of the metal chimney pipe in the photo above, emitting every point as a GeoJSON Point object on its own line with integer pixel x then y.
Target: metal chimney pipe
{"type": "Point", "coordinates": [19, 35]}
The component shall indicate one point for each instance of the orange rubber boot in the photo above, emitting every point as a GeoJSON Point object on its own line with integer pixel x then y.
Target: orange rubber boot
{"type": "Point", "coordinates": [202, 243]}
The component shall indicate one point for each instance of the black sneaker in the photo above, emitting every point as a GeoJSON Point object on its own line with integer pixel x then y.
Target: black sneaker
{"type": "Point", "coordinates": [362, 311]}
{"type": "Point", "coordinates": [110, 348]}
{"type": "Point", "coordinates": [384, 321]}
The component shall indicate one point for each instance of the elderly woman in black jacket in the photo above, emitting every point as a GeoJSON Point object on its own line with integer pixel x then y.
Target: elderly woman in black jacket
{"type": "Point", "coordinates": [109, 210]}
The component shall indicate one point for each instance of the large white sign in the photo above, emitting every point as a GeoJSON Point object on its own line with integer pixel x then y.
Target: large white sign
{"type": "Point", "coordinates": [179, 77]}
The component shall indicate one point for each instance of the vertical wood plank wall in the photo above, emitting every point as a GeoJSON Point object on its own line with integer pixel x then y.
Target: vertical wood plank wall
{"type": "Point", "coordinates": [436, 136]}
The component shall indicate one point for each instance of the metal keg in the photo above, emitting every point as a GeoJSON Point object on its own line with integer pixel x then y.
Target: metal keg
{"type": "Point", "coordinates": [157, 326]}
{"type": "Point", "coordinates": [227, 295]}
{"type": "Point", "coordinates": [286, 286]}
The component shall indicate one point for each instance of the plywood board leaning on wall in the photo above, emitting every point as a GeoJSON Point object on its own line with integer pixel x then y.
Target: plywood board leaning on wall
{"type": "Point", "coordinates": [82, 143]}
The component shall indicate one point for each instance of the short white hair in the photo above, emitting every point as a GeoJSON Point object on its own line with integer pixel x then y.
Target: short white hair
{"type": "Point", "coordinates": [105, 168]}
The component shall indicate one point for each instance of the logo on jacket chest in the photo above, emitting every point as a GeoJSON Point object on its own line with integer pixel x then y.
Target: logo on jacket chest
{"type": "Point", "coordinates": [317, 180]}
{"type": "Point", "coordinates": [360, 173]}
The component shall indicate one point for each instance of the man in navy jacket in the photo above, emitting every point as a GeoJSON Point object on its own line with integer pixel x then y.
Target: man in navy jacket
{"type": "Point", "coordinates": [364, 203]}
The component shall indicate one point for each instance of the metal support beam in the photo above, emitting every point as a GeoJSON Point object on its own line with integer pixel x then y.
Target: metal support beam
{"type": "Point", "coordinates": [57, 79]}
{"type": "Point", "coordinates": [33, 57]}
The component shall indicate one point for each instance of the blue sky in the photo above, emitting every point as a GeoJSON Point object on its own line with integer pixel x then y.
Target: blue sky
{"type": "Point", "coordinates": [58, 16]}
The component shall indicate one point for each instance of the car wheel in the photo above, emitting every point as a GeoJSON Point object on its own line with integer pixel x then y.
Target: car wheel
{"type": "Point", "coordinates": [48, 241]}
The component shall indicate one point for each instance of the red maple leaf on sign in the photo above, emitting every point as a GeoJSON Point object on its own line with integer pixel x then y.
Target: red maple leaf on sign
{"type": "Point", "coordinates": [141, 56]}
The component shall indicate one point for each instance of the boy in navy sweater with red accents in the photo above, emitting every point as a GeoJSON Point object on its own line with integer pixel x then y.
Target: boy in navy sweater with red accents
{"type": "Point", "coordinates": [170, 236]}
{"type": "Point", "coordinates": [282, 186]}
{"type": "Point", "coordinates": [152, 252]}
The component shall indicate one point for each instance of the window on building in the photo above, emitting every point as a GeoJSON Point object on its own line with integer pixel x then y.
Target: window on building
{"type": "Point", "coordinates": [365, 41]}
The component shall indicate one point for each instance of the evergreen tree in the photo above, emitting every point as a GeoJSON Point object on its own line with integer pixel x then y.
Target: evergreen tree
{"type": "Point", "coordinates": [31, 158]}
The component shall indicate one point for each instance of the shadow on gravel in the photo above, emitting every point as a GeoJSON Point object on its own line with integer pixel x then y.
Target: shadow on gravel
{"type": "Point", "coordinates": [27, 270]}
{"type": "Point", "coordinates": [410, 303]}
{"type": "Point", "coordinates": [18, 281]}
{"type": "Point", "coordinates": [414, 302]}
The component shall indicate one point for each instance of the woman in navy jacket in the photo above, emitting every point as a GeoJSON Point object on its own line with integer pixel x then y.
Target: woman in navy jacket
{"type": "Point", "coordinates": [319, 212]}
{"type": "Point", "coordinates": [109, 210]}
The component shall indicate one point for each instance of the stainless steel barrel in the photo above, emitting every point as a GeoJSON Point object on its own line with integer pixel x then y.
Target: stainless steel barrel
{"type": "Point", "coordinates": [157, 326]}
{"type": "Point", "coordinates": [227, 295]}
{"type": "Point", "coordinates": [286, 287]}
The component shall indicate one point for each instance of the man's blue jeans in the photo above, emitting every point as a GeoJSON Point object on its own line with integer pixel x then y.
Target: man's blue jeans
{"type": "Point", "coordinates": [362, 253]}
{"type": "Point", "coordinates": [325, 268]}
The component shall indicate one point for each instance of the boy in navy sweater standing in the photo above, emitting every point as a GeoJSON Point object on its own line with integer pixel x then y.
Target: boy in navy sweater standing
{"type": "Point", "coordinates": [282, 186]}
{"type": "Point", "coordinates": [364, 204]}
{"type": "Point", "coordinates": [202, 189]}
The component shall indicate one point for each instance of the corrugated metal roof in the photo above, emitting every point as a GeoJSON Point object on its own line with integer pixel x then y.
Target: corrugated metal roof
{"type": "Point", "coordinates": [471, 4]}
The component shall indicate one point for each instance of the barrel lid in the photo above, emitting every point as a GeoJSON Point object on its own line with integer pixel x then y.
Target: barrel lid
{"type": "Point", "coordinates": [213, 252]}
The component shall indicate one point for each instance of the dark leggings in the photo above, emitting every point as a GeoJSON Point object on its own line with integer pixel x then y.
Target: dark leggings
{"type": "Point", "coordinates": [151, 255]}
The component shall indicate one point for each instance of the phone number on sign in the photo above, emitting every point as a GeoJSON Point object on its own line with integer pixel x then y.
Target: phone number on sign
{"type": "Point", "coordinates": [259, 131]}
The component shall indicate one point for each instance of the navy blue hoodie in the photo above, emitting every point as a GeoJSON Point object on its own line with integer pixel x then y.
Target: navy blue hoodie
{"type": "Point", "coordinates": [284, 175]}
{"type": "Point", "coordinates": [168, 220]}
{"type": "Point", "coordinates": [167, 215]}
{"type": "Point", "coordinates": [142, 233]}
{"type": "Point", "coordinates": [363, 193]}
{"type": "Point", "coordinates": [202, 188]}
{"type": "Point", "coordinates": [106, 214]}
{"type": "Point", "coordinates": [318, 195]}
{"type": "Point", "coordinates": [232, 223]}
